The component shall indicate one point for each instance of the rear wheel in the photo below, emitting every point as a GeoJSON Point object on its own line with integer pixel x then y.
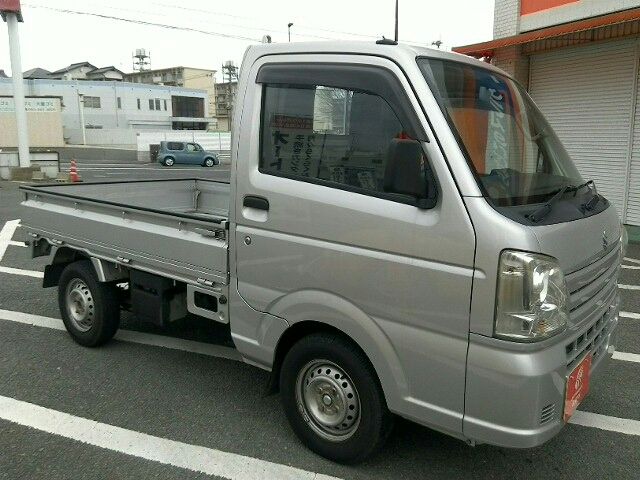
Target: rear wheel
{"type": "Point", "coordinates": [333, 399]}
{"type": "Point", "coordinates": [209, 162]}
{"type": "Point", "coordinates": [90, 310]}
{"type": "Point", "coordinates": [169, 162]}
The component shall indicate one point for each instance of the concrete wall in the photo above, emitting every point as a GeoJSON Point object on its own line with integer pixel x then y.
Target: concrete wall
{"type": "Point", "coordinates": [571, 12]}
{"type": "Point", "coordinates": [44, 125]}
{"type": "Point", "coordinates": [511, 60]}
{"type": "Point", "coordinates": [506, 18]}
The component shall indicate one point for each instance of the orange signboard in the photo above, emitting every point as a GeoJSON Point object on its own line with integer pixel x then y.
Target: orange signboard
{"type": "Point", "coordinates": [533, 6]}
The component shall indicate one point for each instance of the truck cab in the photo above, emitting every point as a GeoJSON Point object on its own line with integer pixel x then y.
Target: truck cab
{"type": "Point", "coordinates": [405, 235]}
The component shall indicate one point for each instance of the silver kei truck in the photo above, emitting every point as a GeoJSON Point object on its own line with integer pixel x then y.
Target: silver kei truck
{"type": "Point", "coordinates": [403, 234]}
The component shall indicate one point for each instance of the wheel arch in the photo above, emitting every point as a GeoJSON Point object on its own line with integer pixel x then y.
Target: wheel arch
{"type": "Point", "coordinates": [331, 314]}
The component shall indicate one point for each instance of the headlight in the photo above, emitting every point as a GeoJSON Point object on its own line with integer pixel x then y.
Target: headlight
{"type": "Point", "coordinates": [532, 298]}
{"type": "Point", "coordinates": [624, 241]}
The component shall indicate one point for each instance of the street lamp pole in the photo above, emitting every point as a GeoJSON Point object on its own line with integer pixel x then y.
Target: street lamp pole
{"type": "Point", "coordinates": [12, 15]}
{"type": "Point", "coordinates": [289, 29]}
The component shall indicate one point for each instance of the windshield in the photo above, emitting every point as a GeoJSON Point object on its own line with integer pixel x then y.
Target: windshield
{"type": "Point", "coordinates": [514, 152]}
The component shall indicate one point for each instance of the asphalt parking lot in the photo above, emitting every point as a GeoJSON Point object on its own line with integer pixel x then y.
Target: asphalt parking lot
{"type": "Point", "coordinates": [178, 404]}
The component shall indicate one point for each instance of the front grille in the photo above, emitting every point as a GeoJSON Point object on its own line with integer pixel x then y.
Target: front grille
{"type": "Point", "coordinates": [592, 280]}
{"type": "Point", "coordinates": [592, 339]}
{"type": "Point", "coordinates": [547, 414]}
{"type": "Point", "coordinates": [593, 290]}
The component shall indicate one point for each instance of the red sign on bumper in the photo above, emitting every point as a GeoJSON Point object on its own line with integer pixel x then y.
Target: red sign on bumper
{"type": "Point", "coordinates": [577, 386]}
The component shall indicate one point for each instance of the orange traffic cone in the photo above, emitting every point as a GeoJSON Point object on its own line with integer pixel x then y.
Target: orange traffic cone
{"type": "Point", "coordinates": [73, 172]}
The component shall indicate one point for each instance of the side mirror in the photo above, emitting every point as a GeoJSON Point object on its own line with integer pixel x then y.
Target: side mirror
{"type": "Point", "coordinates": [405, 171]}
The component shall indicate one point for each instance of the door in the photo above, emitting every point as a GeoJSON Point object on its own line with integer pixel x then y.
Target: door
{"type": "Point", "coordinates": [318, 235]}
{"type": "Point", "coordinates": [192, 154]}
{"type": "Point", "coordinates": [587, 93]}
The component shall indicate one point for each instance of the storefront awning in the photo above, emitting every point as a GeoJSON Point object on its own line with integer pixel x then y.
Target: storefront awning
{"type": "Point", "coordinates": [487, 49]}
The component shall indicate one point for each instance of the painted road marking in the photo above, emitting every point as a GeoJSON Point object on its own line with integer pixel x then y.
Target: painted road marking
{"type": "Point", "coordinates": [604, 422]}
{"type": "Point", "coordinates": [632, 260]}
{"type": "Point", "coordinates": [629, 267]}
{"type": "Point", "coordinates": [626, 357]}
{"type": "Point", "coordinates": [19, 271]}
{"type": "Point", "coordinates": [17, 244]}
{"type": "Point", "coordinates": [6, 235]}
{"type": "Point", "coordinates": [131, 336]}
{"type": "Point", "coordinates": [148, 447]}
{"type": "Point", "coordinates": [632, 316]}
{"type": "Point", "coordinates": [629, 287]}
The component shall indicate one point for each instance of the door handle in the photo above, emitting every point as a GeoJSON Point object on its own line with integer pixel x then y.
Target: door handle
{"type": "Point", "coordinates": [253, 201]}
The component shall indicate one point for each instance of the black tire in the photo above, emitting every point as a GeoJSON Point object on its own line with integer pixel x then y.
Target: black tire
{"type": "Point", "coordinates": [96, 304]}
{"type": "Point", "coordinates": [169, 162]}
{"type": "Point", "coordinates": [374, 421]}
{"type": "Point", "coordinates": [209, 162]}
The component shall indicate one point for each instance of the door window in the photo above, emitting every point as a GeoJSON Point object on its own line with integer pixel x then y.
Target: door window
{"type": "Point", "coordinates": [192, 147]}
{"type": "Point", "coordinates": [335, 136]}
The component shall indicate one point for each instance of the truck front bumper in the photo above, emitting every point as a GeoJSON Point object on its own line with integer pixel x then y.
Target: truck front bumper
{"type": "Point", "coordinates": [515, 395]}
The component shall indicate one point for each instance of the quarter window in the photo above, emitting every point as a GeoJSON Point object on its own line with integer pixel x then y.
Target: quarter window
{"type": "Point", "coordinates": [336, 136]}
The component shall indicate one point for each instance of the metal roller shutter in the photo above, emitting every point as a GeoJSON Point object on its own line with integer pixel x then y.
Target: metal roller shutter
{"type": "Point", "coordinates": [587, 94]}
{"type": "Point", "coordinates": [633, 203]}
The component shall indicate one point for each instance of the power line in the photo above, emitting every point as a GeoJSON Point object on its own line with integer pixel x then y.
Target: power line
{"type": "Point", "coordinates": [143, 22]}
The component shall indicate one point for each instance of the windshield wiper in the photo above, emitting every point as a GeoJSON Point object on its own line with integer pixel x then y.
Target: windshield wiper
{"type": "Point", "coordinates": [544, 210]}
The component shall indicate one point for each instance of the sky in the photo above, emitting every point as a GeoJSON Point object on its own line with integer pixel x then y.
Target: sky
{"type": "Point", "coordinates": [52, 39]}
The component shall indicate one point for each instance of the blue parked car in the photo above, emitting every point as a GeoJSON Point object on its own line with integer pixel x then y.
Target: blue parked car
{"type": "Point", "coordinates": [191, 153]}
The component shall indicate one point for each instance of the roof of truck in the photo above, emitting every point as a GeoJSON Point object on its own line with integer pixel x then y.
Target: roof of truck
{"type": "Point", "coordinates": [397, 52]}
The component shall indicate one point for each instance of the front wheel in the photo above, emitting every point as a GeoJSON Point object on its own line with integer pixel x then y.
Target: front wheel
{"type": "Point", "coordinates": [90, 310]}
{"type": "Point", "coordinates": [209, 162]}
{"type": "Point", "coordinates": [333, 399]}
{"type": "Point", "coordinates": [169, 162]}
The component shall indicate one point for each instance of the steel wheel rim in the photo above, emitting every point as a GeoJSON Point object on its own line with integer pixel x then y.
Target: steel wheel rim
{"type": "Point", "coordinates": [328, 400]}
{"type": "Point", "coordinates": [80, 305]}
{"type": "Point", "coordinates": [168, 162]}
{"type": "Point", "coordinates": [208, 162]}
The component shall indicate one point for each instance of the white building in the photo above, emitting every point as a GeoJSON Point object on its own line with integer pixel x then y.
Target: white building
{"type": "Point", "coordinates": [580, 60]}
{"type": "Point", "coordinates": [119, 106]}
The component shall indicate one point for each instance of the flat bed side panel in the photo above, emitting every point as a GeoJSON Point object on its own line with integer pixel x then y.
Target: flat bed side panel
{"type": "Point", "coordinates": [176, 247]}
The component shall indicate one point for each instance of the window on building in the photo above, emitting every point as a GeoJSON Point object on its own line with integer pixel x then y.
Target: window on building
{"type": "Point", "coordinates": [158, 104]}
{"type": "Point", "coordinates": [192, 107]}
{"type": "Point", "coordinates": [119, 103]}
{"type": "Point", "coordinates": [91, 102]}
{"type": "Point", "coordinates": [139, 105]}
{"type": "Point", "coordinates": [151, 104]}
{"type": "Point", "coordinates": [334, 136]}
{"type": "Point", "coordinates": [165, 105]}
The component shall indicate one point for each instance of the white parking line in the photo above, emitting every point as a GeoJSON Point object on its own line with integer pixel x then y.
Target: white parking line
{"type": "Point", "coordinates": [19, 271]}
{"type": "Point", "coordinates": [632, 316]}
{"type": "Point", "coordinates": [629, 287]}
{"type": "Point", "coordinates": [131, 336]}
{"type": "Point", "coordinates": [155, 449]}
{"type": "Point", "coordinates": [626, 357]}
{"type": "Point", "coordinates": [17, 244]}
{"type": "Point", "coordinates": [629, 267]}
{"type": "Point", "coordinates": [632, 260]}
{"type": "Point", "coordinates": [6, 235]}
{"type": "Point", "coordinates": [604, 422]}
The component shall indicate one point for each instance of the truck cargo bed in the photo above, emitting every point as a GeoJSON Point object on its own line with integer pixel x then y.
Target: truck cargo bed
{"type": "Point", "coordinates": [175, 228]}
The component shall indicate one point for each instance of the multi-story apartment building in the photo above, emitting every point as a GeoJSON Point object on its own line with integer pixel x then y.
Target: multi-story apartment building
{"type": "Point", "coordinates": [580, 61]}
{"type": "Point", "coordinates": [225, 101]}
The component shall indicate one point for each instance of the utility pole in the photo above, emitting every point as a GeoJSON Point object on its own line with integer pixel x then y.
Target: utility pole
{"type": "Point", "coordinates": [82, 125]}
{"type": "Point", "coordinates": [396, 37]}
{"type": "Point", "coordinates": [12, 14]}
{"type": "Point", "coordinates": [289, 30]}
